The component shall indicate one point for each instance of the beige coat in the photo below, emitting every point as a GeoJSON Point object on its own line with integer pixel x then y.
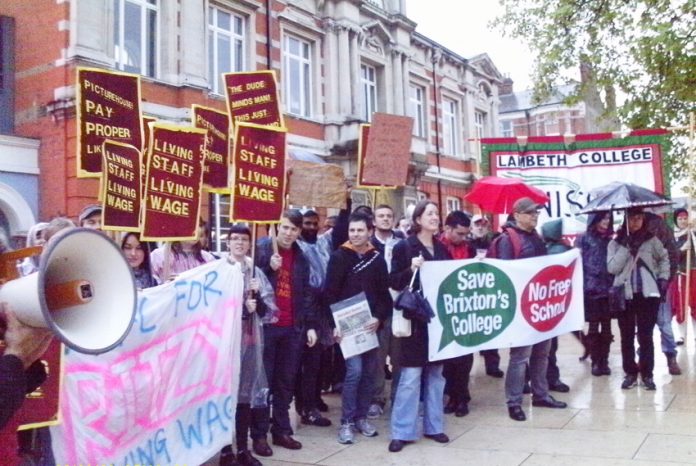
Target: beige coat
{"type": "Point", "coordinates": [653, 254]}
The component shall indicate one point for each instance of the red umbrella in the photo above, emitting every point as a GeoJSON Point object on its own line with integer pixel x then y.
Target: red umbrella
{"type": "Point", "coordinates": [497, 195]}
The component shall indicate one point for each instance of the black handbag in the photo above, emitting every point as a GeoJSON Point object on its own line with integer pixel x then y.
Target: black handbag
{"type": "Point", "coordinates": [413, 304]}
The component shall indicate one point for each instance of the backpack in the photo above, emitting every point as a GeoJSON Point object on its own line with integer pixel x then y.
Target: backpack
{"type": "Point", "coordinates": [515, 239]}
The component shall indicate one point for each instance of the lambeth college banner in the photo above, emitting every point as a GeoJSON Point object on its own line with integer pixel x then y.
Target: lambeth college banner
{"type": "Point", "coordinates": [168, 394]}
{"type": "Point", "coordinates": [567, 172]}
{"type": "Point", "coordinates": [489, 303]}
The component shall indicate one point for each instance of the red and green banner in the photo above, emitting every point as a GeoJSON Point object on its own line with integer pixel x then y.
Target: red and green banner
{"type": "Point", "coordinates": [258, 193]}
{"type": "Point", "coordinates": [173, 183]}
{"type": "Point", "coordinates": [108, 107]}
{"type": "Point", "coordinates": [568, 170]}
{"type": "Point", "coordinates": [252, 97]}
{"type": "Point", "coordinates": [217, 158]}
{"type": "Point", "coordinates": [121, 187]}
{"type": "Point", "coordinates": [387, 152]}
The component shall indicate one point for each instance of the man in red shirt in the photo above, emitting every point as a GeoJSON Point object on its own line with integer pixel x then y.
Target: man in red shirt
{"type": "Point", "coordinates": [455, 234]}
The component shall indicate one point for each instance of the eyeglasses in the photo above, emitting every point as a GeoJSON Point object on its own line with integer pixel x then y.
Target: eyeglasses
{"type": "Point", "coordinates": [533, 212]}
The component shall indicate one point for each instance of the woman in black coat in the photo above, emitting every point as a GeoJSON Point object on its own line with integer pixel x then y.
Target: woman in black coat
{"type": "Point", "coordinates": [412, 352]}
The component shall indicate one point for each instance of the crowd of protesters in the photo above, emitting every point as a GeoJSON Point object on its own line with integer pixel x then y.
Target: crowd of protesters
{"type": "Point", "coordinates": [291, 350]}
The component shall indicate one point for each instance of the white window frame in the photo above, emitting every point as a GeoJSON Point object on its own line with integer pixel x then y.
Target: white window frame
{"type": "Point", "coordinates": [305, 65]}
{"type": "Point", "coordinates": [551, 121]}
{"type": "Point", "coordinates": [480, 123]}
{"type": "Point", "coordinates": [453, 203]}
{"type": "Point", "coordinates": [450, 126]}
{"type": "Point", "coordinates": [506, 129]}
{"type": "Point", "coordinates": [368, 85]}
{"type": "Point", "coordinates": [417, 103]}
{"type": "Point", "coordinates": [238, 44]}
{"type": "Point", "coordinates": [147, 48]}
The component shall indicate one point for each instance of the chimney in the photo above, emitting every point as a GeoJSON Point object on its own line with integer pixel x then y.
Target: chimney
{"type": "Point", "coordinates": [506, 87]}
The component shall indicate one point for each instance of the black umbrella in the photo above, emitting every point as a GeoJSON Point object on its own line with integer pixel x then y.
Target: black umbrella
{"type": "Point", "coordinates": [620, 196]}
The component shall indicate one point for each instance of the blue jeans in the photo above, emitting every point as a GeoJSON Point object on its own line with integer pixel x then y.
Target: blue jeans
{"type": "Point", "coordinates": [537, 355]}
{"type": "Point", "coordinates": [405, 409]}
{"type": "Point", "coordinates": [664, 323]}
{"type": "Point", "coordinates": [359, 385]}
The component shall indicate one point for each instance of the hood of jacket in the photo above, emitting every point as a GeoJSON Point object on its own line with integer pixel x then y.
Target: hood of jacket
{"type": "Point", "coordinates": [552, 230]}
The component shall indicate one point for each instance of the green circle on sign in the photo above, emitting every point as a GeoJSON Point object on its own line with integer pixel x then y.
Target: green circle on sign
{"type": "Point", "coordinates": [475, 304]}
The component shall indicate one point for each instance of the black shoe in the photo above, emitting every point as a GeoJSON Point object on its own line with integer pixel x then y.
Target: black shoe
{"type": "Point", "coordinates": [321, 406]}
{"type": "Point", "coordinates": [286, 441]}
{"type": "Point", "coordinates": [227, 457]}
{"type": "Point", "coordinates": [604, 368]}
{"type": "Point", "coordinates": [314, 418]}
{"type": "Point", "coordinates": [397, 445]}
{"type": "Point", "coordinates": [516, 413]}
{"type": "Point", "coordinates": [559, 387]}
{"type": "Point", "coordinates": [550, 402]}
{"type": "Point", "coordinates": [244, 458]}
{"type": "Point", "coordinates": [439, 438]}
{"type": "Point", "coordinates": [649, 383]}
{"type": "Point", "coordinates": [462, 410]}
{"type": "Point", "coordinates": [450, 407]}
{"type": "Point", "coordinates": [261, 447]}
{"type": "Point", "coordinates": [596, 369]}
{"type": "Point", "coordinates": [337, 387]}
{"type": "Point", "coordinates": [527, 389]}
{"type": "Point", "coordinates": [495, 372]}
{"type": "Point", "coordinates": [629, 381]}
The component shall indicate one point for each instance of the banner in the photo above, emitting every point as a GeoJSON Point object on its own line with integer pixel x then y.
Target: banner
{"type": "Point", "coordinates": [568, 172]}
{"type": "Point", "coordinates": [489, 303]}
{"type": "Point", "coordinates": [217, 156]}
{"type": "Point", "coordinates": [121, 187]}
{"type": "Point", "coordinates": [173, 183]}
{"type": "Point", "coordinates": [168, 394]}
{"type": "Point", "coordinates": [258, 174]}
{"type": "Point", "coordinates": [108, 107]}
{"type": "Point", "coordinates": [316, 184]}
{"type": "Point", "coordinates": [252, 97]}
{"type": "Point", "coordinates": [362, 150]}
{"type": "Point", "coordinates": [388, 150]}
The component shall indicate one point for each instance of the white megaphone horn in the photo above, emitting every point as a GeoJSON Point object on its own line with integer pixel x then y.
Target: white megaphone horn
{"type": "Point", "coordinates": [84, 291]}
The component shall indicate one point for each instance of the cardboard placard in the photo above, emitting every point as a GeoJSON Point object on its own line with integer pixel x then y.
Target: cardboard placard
{"type": "Point", "coordinates": [108, 107]}
{"type": "Point", "coordinates": [173, 185]}
{"type": "Point", "coordinates": [316, 184]}
{"type": "Point", "coordinates": [259, 174]}
{"type": "Point", "coordinates": [362, 150]}
{"type": "Point", "coordinates": [217, 157]}
{"type": "Point", "coordinates": [388, 150]}
{"type": "Point", "coordinates": [252, 97]}
{"type": "Point", "coordinates": [121, 187]}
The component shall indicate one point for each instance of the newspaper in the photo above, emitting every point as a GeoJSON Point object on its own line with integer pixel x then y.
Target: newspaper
{"type": "Point", "coordinates": [351, 315]}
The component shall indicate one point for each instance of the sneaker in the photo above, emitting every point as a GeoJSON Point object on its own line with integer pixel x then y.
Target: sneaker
{"type": "Point", "coordinates": [629, 381]}
{"type": "Point", "coordinates": [374, 411]}
{"type": "Point", "coordinates": [365, 427]}
{"type": "Point", "coordinates": [345, 433]}
{"type": "Point", "coordinates": [649, 383]}
{"type": "Point", "coordinates": [314, 418]}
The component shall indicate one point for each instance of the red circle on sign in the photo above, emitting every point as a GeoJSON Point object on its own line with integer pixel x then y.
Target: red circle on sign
{"type": "Point", "coordinates": [546, 297]}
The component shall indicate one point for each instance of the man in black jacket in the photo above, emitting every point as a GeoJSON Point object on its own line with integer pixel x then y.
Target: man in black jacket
{"type": "Point", "coordinates": [288, 271]}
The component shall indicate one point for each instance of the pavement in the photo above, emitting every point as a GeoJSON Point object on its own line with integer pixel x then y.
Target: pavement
{"type": "Point", "coordinates": [603, 424]}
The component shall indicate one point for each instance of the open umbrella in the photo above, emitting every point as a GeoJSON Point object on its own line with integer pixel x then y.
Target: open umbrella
{"type": "Point", "coordinates": [497, 195]}
{"type": "Point", "coordinates": [620, 195]}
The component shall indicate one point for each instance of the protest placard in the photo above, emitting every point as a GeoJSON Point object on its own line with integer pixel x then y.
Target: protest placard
{"type": "Point", "coordinates": [388, 151]}
{"type": "Point", "coordinates": [121, 187]}
{"type": "Point", "coordinates": [489, 303]}
{"type": "Point", "coordinates": [108, 107]}
{"type": "Point", "coordinates": [362, 150]}
{"type": "Point", "coordinates": [173, 183]}
{"type": "Point", "coordinates": [258, 174]}
{"type": "Point", "coordinates": [217, 157]}
{"type": "Point", "coordinates": [316, 184]}
{"type": "Point", "coordinates": [252, 97]}
{"type": "Point", "coordinates": [168, 393]}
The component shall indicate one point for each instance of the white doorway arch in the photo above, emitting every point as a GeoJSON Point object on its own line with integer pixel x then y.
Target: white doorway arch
{"type": "Point", "coordinates": [16, 210]}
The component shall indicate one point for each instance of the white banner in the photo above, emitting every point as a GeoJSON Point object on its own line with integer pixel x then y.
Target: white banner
{"type": "Point", "coordinates": [489, 303]}
{"type": "Point", "coordinates": [168, 394]}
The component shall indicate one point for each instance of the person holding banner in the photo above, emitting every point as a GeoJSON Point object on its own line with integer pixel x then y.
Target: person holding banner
{"type": "Point", "coordinates": [684, 237]}
{"type": "Point", "coordinates": [259, 303]}
{"type": "Point", "coordinates": [296, 323]}
{"type": "Point", "coordinates": [412, 352]}
{"type": "Point", "coordinates": [640, 262]}
{"type": "Point", "coordinates": [526, 216]}
{"type": "Point", "coordinates": [357, 267]}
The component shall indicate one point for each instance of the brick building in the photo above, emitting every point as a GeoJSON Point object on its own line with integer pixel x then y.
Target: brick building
{"type": "Point", "coordinates": [337, 62]}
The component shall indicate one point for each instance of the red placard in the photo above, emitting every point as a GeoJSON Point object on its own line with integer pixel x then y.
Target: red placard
{"type": "Point", "coordinates": [217, 158]}
{"type": "Point", "coordinates": [388, 150]}
{"type": "Point", "coordinates": [252, 97]}
{"type": "Point", "coordinates": [362, 150]}
{"type": "Point", "coordinates": [108, 107]}
{"type": "Point", "coordinates": [173, 184]}
{"type": "Point", "coordinates": [121, 187]}
{"type": "Point", "coordinates": [259, 174]}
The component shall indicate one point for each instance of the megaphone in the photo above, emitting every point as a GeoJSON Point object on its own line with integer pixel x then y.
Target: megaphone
{"type": "Point", "coordinates": [84, 291]}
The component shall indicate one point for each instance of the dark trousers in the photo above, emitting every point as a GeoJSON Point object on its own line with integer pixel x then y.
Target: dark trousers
{"type": "Point", "coordinates": [456, 372]}
{"type": "Point", "coordinates": [307, 389]}
{"type": "Point", "coordinates": [282, 351]}
{"type": "Point", "coordinates": [491, 357]}
{"type": "Point", "coordinates": [553, 374]}
{"type": "Point", "coordinates": [640, 314]}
